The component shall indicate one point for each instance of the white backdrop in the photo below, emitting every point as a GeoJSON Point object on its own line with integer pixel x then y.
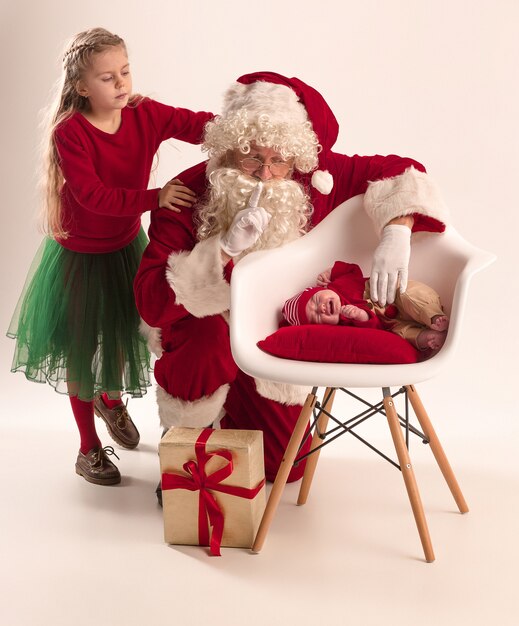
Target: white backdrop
{"type": "Point", "coordinates": [435, 81]}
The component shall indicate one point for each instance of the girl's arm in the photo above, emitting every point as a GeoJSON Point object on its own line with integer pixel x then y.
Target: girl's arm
{"type": "Point", "coordinates": [177, 123]}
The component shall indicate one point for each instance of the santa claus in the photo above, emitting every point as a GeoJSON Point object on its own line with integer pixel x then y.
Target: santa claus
{"type": "Point", "coordinates": [271, 176]}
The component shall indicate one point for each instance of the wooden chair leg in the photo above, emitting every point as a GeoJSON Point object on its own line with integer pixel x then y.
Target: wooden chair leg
{"type": "Point", "coordinates": [436, 448]}
{"type": "Point", "coordinates": [408, 475]}
{"type": "Point", "coordinates": [284, 470]}
{"type": "Point", "coordinates": [311, 461]}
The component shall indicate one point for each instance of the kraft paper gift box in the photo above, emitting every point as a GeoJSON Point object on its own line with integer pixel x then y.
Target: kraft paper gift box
{"type": "Point", "coordinates": [213, 486]}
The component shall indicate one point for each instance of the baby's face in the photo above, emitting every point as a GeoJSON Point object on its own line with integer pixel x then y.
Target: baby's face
{"type": "Point", "coordinates": [323, 307]}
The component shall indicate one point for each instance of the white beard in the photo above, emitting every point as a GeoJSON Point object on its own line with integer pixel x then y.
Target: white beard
{"type": "Point", "coordinates": [229, 192]}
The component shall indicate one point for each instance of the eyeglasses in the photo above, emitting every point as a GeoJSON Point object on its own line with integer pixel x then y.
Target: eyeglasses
{"type": "Point", "coordinates": [278, 168]}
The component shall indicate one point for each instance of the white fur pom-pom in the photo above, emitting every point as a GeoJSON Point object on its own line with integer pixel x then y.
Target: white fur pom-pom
{"type": "Point", "coordinates": [322, 180]}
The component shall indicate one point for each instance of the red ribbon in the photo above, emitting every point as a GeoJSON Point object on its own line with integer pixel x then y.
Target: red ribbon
{"type": "Point", "coordinates": [198, 481]}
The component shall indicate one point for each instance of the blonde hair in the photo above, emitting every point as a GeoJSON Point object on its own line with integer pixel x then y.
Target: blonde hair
{"type": "Point", "coordinates": [77, 58]}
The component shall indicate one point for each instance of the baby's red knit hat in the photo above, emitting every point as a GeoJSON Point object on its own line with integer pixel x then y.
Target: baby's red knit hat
{"type": "Point", "coordinates": [294, 309]}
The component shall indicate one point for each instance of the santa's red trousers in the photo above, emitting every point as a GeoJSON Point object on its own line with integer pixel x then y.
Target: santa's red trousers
{"type": "Point", "coordinates": [197, 360]}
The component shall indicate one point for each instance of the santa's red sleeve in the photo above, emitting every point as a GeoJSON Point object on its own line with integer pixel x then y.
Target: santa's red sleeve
{"type": "Point", "coordinates": [179, 276]}
{"type": "Point", "coordinates": [156, 301]}
{"type": "Point", "coordinates": [393, 186]}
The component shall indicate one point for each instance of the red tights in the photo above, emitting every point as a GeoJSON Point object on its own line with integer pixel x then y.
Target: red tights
{"type": "Point", "coordinates": [84, 416]}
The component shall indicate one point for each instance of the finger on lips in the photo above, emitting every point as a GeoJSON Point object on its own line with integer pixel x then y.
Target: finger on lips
{"type": "Point", "coordinates": [255, 195]}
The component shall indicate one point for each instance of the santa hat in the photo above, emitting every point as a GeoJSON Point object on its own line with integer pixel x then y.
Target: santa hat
{"type": "Point", "coordinates": [294, 310]}
{"type": "Point", "coordinates": [288, 101]}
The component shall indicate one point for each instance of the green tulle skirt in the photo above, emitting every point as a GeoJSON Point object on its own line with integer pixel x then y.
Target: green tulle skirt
{"type": "Point", "coordinates": [76, 324]}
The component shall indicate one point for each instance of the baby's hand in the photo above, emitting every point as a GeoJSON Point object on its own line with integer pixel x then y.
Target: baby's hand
{"type": "Point", "coordinates": [353, 312]}
{"type": "Point", "coordinates": [324, 277]}
{"type": "Point", "coordinates": [175, 193]}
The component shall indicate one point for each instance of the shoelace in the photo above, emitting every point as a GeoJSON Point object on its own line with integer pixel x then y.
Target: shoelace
{"type": "Point", "coordinates": [98, 456]}
{"type": "Point", "coordinates": [122, 415]}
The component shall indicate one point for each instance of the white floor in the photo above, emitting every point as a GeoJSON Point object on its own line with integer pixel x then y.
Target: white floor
{"type": "Point", "coordinates": [74, 553]}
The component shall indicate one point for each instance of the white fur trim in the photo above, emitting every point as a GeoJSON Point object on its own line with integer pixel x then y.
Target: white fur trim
{"type": "Point", "coordinates": [153, 336]}
{"type": "Point", "coordinates": [197, 279]}
{"type": "Point", "coordinates": [279, 102]}
{"type": "Point", "coordinates": [322, 180]}
{"type": "Point", "coordinates": [196, 414]}
{"type": "Point", "coordinates": [410, 192]}
{"type": "Point", "coordinates": [217, 424]}
{"type": "Point", "coordinates": [282, 392]}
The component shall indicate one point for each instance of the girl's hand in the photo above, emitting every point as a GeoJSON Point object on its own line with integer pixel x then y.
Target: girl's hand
{"type": "Point", "coordinates": [175, 193]}
{"type": "Point", "coordinates": [324, 277]}
{"type": "Point", "coordinates": [353, 312]}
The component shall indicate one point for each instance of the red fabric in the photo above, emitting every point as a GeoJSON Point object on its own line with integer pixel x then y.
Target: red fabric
{"type": "Point", "coordinates": [198, 480]}
{"type": "Point", "coordinates": [197, 358]}
{"type": "Point", "coordinates": [351, 175]}
{"type": "Point", "coordinates": [339, 344]}
{"type": "Point", "coordinates": [391, 311]}
{"type": "Point", "coordinates": [348, 283]}
{"type": "Point", "coordinates": [107, 175]}
{"type": "Point", "coordinates": [111, 404]}
{"type": "Point", "coordinates": [84, 416]}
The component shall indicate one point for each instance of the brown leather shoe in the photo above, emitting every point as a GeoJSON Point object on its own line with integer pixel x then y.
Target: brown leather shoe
{"type": "Point", "coordinates": [96, 467]}
{"type": "Point", "coordinates": [119, 423]}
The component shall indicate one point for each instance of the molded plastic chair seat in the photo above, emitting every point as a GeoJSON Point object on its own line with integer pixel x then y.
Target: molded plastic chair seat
{"type": "Point", "coordinates": [262, 281]}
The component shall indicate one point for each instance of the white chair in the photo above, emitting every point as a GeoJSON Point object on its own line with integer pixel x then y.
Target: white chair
{"type": "Point", "coordinates": [263, 280]}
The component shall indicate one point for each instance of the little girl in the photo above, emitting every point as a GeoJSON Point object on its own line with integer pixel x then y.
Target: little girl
{"type": "Point", "coordinates": [76, 323]}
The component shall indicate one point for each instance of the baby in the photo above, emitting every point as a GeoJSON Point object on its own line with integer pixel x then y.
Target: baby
{"type": "Point", "coordinates": [342, 297]}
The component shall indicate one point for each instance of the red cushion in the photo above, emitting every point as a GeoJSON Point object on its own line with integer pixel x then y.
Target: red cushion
{"type": "Point", "coordinates": [339, 344]}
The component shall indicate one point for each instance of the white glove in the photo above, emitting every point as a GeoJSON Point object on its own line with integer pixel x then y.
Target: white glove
{"type": "Point", "coordinates": [390, 264]}
{"type": "Point", "coordinates": [247, 226]}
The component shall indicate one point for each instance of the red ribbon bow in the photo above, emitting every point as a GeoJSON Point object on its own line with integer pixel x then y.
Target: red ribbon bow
{"type": "Point", "coordinates": [198, 481]}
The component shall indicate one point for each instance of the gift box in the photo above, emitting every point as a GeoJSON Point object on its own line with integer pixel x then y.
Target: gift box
{"type": "Point", "coordinates": [213, 486]}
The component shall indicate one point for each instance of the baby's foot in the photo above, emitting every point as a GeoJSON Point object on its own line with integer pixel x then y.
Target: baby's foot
{"type": "Point", "coordinates": [430, 338]}
{"type": "Point", "coordinates": [440, 322]}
